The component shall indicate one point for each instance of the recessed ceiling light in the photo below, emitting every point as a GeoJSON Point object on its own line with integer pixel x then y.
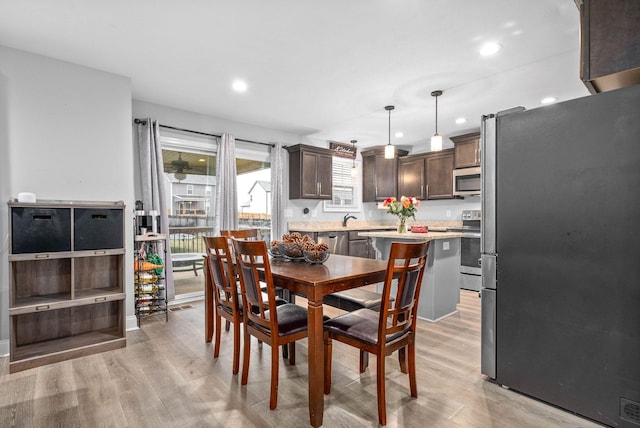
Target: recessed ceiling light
{"type": "Point", "coordinates": [548, 100]}
{"type": "Point", "coordinates": [201, 160]}
{"type": "Point", "coordinates": [490, 48]}
{"type": "Point", "coordinates": [239, 86]}
{"type": "Point", "coordinates": [399, 134]}
{"type": "Point", "coordinates": [461, 120]}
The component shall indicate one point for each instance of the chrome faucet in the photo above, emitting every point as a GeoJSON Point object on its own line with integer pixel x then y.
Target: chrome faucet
{"type": "Point", "coordinates": [346, 218]}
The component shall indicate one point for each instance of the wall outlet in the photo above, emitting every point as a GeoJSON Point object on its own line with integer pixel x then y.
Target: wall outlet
{"type": "Point", "coordinates": [288, 212]}
{"type": "Point", "coordinates": [314, 213]}
{"type": "Point", "coordinates": [445, 245]}
{"type": "Point", "coordinates": [448, 213]}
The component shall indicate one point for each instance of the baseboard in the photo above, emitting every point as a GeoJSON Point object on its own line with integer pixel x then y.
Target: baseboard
{"type": "Point", "coordinates": [4, 348]}
{"type": "Point", "coordinates": [132, 323]}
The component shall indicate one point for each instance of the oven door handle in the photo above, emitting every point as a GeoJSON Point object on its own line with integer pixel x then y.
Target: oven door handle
{"type": "Point", "coordinates": [480, 262]}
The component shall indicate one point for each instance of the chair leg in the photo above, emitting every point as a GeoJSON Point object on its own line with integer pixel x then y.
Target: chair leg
{"type": "Point", "coordinates": [327, 363]}
{"type": "Point", "coordinates": [275, 365]}
{"type": "Point", "coordinates": [364, 360]}
{"type": "Point", "coordinates": [216, 345]}
{"type": "Point", "coordinates": [285, 352]}
{"type": "Point", "coordinates": [292, 353]}
{"type": "Point", "coordinates": [245, 356]}
{"type": "Point", "coordinates": [236, 348]}
{"type": "Point", "coordinates": [402, 359]}
{"type": "Point", "coordinates": [227, 325]}
{"type": "Point", "coordinates": [412, 370]}
{"type": "Point", "coordinates": [382, 405]}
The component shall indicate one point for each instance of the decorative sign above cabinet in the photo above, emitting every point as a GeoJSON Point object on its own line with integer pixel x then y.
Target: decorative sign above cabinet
{"type": "Point", "coordinates": [343, 150]}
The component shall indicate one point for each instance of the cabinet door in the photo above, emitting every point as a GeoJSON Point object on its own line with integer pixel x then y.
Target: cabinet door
{"type": "Point", "coordinates": [440, 175]}
{"type": "Point", "coordinates": [324, 176]}
{"type": "Point", "coordinates": [411, 177]}
{"type": "Point", "coordinates": [467, 150]}
{"type": "Point", "coordinates": [309, 175]}
{"type": "Point", "coordinates": [368, 178]}
{"type": "Point", "coordinates": [359, 248]}
{"type": "Point", "coordinates": [386, 178]}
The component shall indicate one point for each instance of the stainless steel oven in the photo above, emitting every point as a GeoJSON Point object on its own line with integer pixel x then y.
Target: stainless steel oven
{"type": "Point", "coordinates": [470, 271]}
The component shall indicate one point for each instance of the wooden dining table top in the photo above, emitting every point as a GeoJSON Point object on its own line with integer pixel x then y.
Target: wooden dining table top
{"type": "Point", "coordinates": [336, 274]}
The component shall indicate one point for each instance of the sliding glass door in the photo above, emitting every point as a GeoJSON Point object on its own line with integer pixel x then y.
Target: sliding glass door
{"type": "Point", "coordinates": [190, 176]}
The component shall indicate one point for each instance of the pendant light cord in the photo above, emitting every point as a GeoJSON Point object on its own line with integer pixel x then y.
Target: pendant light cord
{"type": "Point", "coordinates": [436, 94]}
{"type": "Point", "coordinates": [389, 126]}
{"type": "Point", "coordinates": [436, 114]}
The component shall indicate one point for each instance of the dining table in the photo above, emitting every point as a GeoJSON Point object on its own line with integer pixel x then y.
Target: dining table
{"type": "Point", "coordinates": [314, 281]}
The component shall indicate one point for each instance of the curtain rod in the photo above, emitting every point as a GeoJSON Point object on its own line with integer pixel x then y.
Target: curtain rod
{"type": "Point", "coordinates": [144, 122]}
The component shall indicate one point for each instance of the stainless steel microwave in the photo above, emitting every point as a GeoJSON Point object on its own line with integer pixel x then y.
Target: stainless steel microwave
{"type": "Point", "coordinates": [466, 181]}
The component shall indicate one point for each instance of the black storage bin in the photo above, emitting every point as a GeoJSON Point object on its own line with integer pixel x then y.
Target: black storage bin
{"type": "Point", "coordinates": [96, 228]}
{"type": "Point", "coordinates": [40, 230]}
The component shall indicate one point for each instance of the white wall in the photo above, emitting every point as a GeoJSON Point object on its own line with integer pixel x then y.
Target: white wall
{"type": "Point", "coordinates": [65, 133]}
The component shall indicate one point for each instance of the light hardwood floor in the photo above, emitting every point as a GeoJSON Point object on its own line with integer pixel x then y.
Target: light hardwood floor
{"type": "Point", "coordinates": [167, 377]}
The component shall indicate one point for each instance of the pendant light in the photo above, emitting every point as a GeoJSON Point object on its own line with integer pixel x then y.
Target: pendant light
{"type": "Point", "coordinates": [354, 170]}
{"type": "Point", "coordinates": [389, 150]}
{"type": "Point", "coordinates": [436, 139]}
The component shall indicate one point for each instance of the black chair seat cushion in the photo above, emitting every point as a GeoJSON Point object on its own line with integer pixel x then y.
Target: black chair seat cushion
{"type": "Point", "coordinates": [361, 324]}
{"type": "Point", "coordinates": [291, 319]}
{"type": "Point", "coordinates": [354, 299]}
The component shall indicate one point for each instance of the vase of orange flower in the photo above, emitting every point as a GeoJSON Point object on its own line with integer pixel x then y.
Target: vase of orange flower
{"type": "Point", "coordinates": [404, 208]}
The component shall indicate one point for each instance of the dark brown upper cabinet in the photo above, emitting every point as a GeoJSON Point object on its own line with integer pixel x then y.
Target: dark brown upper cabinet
{"type": "Point", "coordinates": [310, 172]}
{"type": "Point", "coordinates": [466, 150]}
{"type": "Point", "coordinates": [427, 176]}
{"type": "Point", "coordinates": [379, 175]}
{"type": "Point", "coordinates": [609, 44]}
{"type": "Point", "coordinates": [440, 174]}
{"type": "Point", "coordinates": [412, 177]}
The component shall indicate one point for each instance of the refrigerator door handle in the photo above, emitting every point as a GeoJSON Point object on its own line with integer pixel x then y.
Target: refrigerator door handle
{"type": "Point", "coordinates": [488, 265]}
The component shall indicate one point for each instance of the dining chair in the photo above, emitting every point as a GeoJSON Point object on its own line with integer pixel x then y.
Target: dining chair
{"type": "Point", "coordinates": [275, 325]}
{"type": "Point", "coordinates": [225, 293]}
{"type": "Point", "coordinates": [252, 234]}
{"type": "Point", "coordinates": [392, 328]}
{"type": "Point", "coordinates": [240, 233]}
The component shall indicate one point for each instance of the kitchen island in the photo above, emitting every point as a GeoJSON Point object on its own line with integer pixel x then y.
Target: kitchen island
{"type": "Point", "coordinates": [440, 292]}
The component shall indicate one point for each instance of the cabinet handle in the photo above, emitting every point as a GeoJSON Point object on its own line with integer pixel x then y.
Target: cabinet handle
{"type": "Point", "coordinates": [100, 299]}
{"type": "Point", "coordinates": [319, 188]}
{"type": "Point", "coordinates": [102, 252]}
{"type": "Point", "coordinates": [422, 189]}
{"type": "Point", "coordinates": [42, 256]}
{"type": "Point", "coordinates": [42, 307]}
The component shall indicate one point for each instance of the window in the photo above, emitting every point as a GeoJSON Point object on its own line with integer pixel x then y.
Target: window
{"type": "Point", "coordinates": [189, 189]}
{"type": "Point", "coordinates": [345, 187]}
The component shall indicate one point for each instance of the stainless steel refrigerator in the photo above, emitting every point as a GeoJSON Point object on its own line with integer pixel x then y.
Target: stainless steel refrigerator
{"type": "Point", "coordinates": [561, 254]}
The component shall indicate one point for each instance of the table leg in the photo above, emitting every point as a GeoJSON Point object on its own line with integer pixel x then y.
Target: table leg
{"type": "Point", "coordinates": [316, 363]}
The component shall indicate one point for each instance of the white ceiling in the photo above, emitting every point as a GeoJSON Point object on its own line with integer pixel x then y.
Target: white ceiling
{"type": "Point", "coordinates": [324, 69]}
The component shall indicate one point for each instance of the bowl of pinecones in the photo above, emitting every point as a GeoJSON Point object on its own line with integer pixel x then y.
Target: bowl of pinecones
{"type": "Point", "coordinates": [315, 253]}
{"type": "Point", "coordinates": [291, 245]}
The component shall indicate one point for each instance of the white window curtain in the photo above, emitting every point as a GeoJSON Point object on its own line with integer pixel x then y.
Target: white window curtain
{"type": "Point", "coordinates": [278, 226]}
{"type": "Point", "coordinates": [226, 190]}
{"type": "Point", "coordinates": [152, 189]}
